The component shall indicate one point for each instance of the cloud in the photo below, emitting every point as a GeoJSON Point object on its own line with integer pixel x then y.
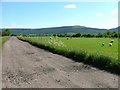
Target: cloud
{"type": "Point", "coordinates": [114, 11]}
{"type": "Point", "coordinates": [70, 6]}
{"type": "Point", "coordinates": [99, 14]}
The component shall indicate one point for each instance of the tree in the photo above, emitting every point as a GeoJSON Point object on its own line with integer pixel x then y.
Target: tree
{"type": "Point", "coordinates": [108, 33]}
{"type": "Point", "coordinates": [6, 32]}
{"type": "Point", "coordinates": [76, 35]}
{"type": "Point", "coordinates": [93, 35]}
{"type": "Point", "coordinates": [89, 35]}
{"type": "Point", "coordinates": [105, 35]}
{"type": "Point", "coordinates": [99, 35]}
{"type": "Point", "coordinates": [84, 35]}
{"type": "Point", "coordinates": [114, 34]}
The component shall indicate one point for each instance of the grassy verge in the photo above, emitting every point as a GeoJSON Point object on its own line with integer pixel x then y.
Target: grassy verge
{"type": "Point", "coordinates": [95, 59]}
{"type": "Point", "coordinates": [3, 40]}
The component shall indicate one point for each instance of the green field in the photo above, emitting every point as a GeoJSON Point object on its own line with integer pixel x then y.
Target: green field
{"type": "Point", "coordinates": [93, 45]}
{"type": "Point", "coordinates": [88, 50]}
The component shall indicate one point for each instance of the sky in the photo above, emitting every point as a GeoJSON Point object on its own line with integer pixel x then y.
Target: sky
{"type": "Point", "coordinates": [56, 14]}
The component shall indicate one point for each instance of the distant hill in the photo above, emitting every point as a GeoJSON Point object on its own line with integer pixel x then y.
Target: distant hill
{"type": "Point", "coordinates": [62, 30]}
{"type": "Point", "coordinates": [115, 29]}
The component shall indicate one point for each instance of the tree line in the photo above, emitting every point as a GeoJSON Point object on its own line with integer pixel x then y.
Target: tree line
{"type": "Point", "coordinates": [6, 32]}
{"type": "Point", "coordinates": [99, 35]}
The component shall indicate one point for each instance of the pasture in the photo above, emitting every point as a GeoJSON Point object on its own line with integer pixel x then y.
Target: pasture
{"type": "Point", "coordinates": [88, 50]}
{"type": "Point", "coordinates": [93, 45]}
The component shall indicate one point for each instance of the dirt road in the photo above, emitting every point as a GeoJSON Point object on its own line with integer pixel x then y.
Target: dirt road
{"type": "Point", "coordinates": [25, 66]}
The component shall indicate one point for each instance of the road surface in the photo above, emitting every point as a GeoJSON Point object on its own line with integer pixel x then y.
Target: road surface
{"type": "Point", "coordinates": [26, 66]}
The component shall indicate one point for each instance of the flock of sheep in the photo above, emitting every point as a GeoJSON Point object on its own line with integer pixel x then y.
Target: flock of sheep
{"type": "Point", "coordinates": [103, 44]}
{"type": "Point", "coordinates": [110, 44]}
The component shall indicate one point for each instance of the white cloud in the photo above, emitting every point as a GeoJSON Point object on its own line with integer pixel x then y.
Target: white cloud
{"type": "Point", "coordinates": [114, 11]}
{"type": "Point", "coordinates": [70, 6]}
{"type": "Point", "coordinates": [99, 14]}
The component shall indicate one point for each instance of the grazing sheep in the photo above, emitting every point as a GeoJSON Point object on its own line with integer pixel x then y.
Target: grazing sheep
{"type": "Point", "coordinates": [103, 44]}
{"type": "Point", "coordinates": [110, 44]}
{"type": "Point", "coordinates": [112, 41]}
{"type": "Point", "coordinates": [51, 38]}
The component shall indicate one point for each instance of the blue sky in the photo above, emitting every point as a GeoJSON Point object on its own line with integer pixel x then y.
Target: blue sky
{"type": "Point", "coordinates": [54, 14]}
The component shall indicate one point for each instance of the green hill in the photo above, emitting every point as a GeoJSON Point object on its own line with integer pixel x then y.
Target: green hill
{"type": "Point", "coordinates": [61, 30]}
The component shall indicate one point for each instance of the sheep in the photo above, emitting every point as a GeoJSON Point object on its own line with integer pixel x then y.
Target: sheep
{"type": "Point", "coordinates": [103, 44]}
{"type": "Point", "coordinates": [51, 38]}
{"type": "Point", "coordinates": [110, 44]}
{"type": "Point", "coordinates": [112, 41]}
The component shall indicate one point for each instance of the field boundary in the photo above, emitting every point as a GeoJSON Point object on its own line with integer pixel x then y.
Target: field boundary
{"type": "Point", "coordinates": [100, 61]}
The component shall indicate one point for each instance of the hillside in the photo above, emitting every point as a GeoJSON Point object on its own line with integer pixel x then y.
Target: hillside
{"type": "Point", "coordinates": [61, 30]}
{"type": "Point", "coordinates": [115, 29]}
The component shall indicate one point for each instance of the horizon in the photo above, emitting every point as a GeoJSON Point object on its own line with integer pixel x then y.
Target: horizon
{"type": "Point", "coordinates": [102, 15]}
{"type": "Point", "coordinates": [50, 27]}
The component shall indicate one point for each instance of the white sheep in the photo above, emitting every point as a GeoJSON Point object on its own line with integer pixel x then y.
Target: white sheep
{"type": "Point", "coordinates": [112, 41]}
{"type": "Point", "coordinates": [110, 44]}
{"type": "Point", "coordinates": [103, 44]}
{"type": "Point", "coordinates": [51, 38]}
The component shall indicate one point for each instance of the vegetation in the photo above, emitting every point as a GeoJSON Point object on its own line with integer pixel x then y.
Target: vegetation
{"type": "Point", "coordinates": [3, 40]}
{"type": "Point", "coordinates": [87, 33]}
{"type": "Point", "coordinates": [99, 35]}
{"type": "Point", "coordinates": [87, 50]}
{"type": "Point", "coordinates": [6, 32]}
{"type": "Point", "coordinates": [5, 35]}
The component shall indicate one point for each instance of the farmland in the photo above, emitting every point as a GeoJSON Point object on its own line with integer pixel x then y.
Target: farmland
{"type": "Point", "coordinates": [87, 50]}
{"type": "Point", "coordinates": [56, 45]}
{"type": "Point", "coordinates": [93, 45]}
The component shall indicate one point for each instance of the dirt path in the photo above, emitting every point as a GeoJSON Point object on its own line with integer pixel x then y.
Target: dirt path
{"type": "Point", "coordinates": [25, 66]}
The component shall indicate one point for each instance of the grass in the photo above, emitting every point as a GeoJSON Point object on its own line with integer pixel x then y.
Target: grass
{"type": "Point", "coordinates": [87, 50]}
{"type": "Point", "coordinates": [3, 40]}
{"type": "Point", "coordinates": [93, 45]}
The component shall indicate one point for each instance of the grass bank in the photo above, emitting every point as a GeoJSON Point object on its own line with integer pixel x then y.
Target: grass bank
{"type": "Point", "coordinates": [59, 46]}
{"type": "Point", "coordinates": [3, 40]}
